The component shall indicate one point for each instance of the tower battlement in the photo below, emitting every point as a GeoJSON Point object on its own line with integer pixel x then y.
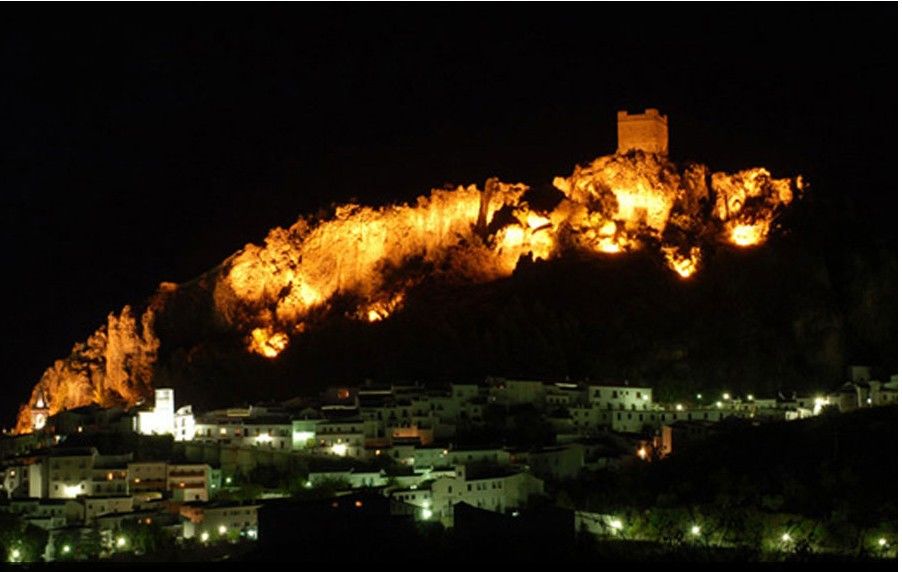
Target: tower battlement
{"type": "Point", "coordinates": [644, 131]}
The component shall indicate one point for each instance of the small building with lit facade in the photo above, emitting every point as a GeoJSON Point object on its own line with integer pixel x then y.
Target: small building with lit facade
{"type": "Point", "coordinates": [25, 477]}
{"type": "Point", "coordinates": [110, 475]}
{"type": "Point", "coordinates": [147, 476]}
{"type": "Point", "coordinates": [163, 419]}
{"type": "Point", "coordinates": [69, 511]}
{"type": "Point", "coordinates": [590, 420]}
{"type": "Point", "coordinates": [207, 522]}
{"type": "Point", "coordinates": [303, 433]}
{"type": "Point", "coordinates": [160, 420]}
{"type": "Point", "coordinates": [564, 395]}
{"type": "Point", "coordinates": [620, 397]}
{"type": "Point", "coordinates": [250, 427]}
{"type": "Point", "coordinates": [679, 434]}
{"type": "Point", "coordinates": [497, 489]}
{"type": "Point", "coordinates": [388, 417]}
{"type": "Point", "coordinates": [188, 482]}
{"type": "Point", "coordinates": [69, 473]}
{"type": "Point", "coordinates": [341, 437]}
{"type": "Point", "coordinates": [97, 506]}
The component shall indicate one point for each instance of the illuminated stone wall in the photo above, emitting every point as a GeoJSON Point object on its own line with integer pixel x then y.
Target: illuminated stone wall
{"type": "Point", "coordinates": [644, 131]}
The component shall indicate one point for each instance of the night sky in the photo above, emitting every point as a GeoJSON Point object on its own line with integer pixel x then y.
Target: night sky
{"type": "Point", "coordinates": [143, 145]}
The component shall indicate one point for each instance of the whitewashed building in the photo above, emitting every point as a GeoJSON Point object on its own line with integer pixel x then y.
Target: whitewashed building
{"type": "Point", "coordinates": [188, 482]}
{"type": "Point", "coordinates": [70, 473]}
{"type": "Point", "coordinates": [210, 522]}
{"type": "Point", "coordinates": [341, 437]}
{"type": "Point", "coordinates": [495, 489]}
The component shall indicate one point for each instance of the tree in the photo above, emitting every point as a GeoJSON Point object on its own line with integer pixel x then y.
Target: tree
{"type": "Point", "coordinates": [143, 537]}
{"type": "Point", "coordinates": [24, 542]}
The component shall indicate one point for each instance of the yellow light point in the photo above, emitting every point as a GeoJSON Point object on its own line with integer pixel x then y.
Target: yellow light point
{"type": "Point", "coordinates": [726, 396]}
{"type": "Point", "coordinates": [373, 316]}
{"type": "Point", "coordinates": [222, 529]}
{"type": "Point", "coordinates": [679, 407]}
{"type": "Point", "coordinates": [204, 536]}
{"type": "Point", "coordinates": [881, 542]}
{"type": "Point", "coordinates": [617, 524]}
{"type": "Point", "coordinates": [120, 542]}
{"type": "Point", "coordinates": [696, 530]}
{"type": "Point", "coordinates": [642, 453]}
{"type": "Point", "coordinates": [785, 537]}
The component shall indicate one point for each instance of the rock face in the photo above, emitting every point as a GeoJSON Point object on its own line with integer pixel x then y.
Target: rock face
{"type": "Point", "coordinates": [113, 367]}
{"type": "Point", "coordinates": [362, 263]}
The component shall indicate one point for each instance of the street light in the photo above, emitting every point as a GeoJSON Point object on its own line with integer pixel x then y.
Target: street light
{"type": "Point", "coordinates": [696, 530]}
{"type": "Point", "coordinates": [222, 529]}
{"type": "Point", "coordinates": [785, 537]}
{"type": "Point", "coordinates": [205, 536]}
{"type": "Point", "coordinates": [617, 524]}
{"type": "Point", "coordinates": [881, 543]}
{"type": "Point", "coordinates": [15, 554]}
{"type": "Point", "coordinates": [120, 542]}
{"type": "Point", "coordinates": [66, 549]}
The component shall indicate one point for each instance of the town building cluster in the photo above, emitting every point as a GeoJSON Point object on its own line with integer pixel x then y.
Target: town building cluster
{"type": "Point", "coordinates": [403, 441]}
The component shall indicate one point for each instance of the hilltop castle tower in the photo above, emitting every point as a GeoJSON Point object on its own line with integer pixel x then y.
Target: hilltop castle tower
{"type": "Point", "coordinates": [644, 131]}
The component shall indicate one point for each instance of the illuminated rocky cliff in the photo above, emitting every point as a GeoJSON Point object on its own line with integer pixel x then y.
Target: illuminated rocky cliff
{"type": "Point", "coordinates": [370, 258]}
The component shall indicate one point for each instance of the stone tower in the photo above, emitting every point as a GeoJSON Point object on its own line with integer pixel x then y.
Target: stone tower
{"type": "Point", "coordinates": [39, 412]}
{"type": "Point", "coordinates": [644, 131]}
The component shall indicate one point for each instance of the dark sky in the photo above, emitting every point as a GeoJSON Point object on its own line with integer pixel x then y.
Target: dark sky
{"type": "Point", "coordinates": [143, 144]}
